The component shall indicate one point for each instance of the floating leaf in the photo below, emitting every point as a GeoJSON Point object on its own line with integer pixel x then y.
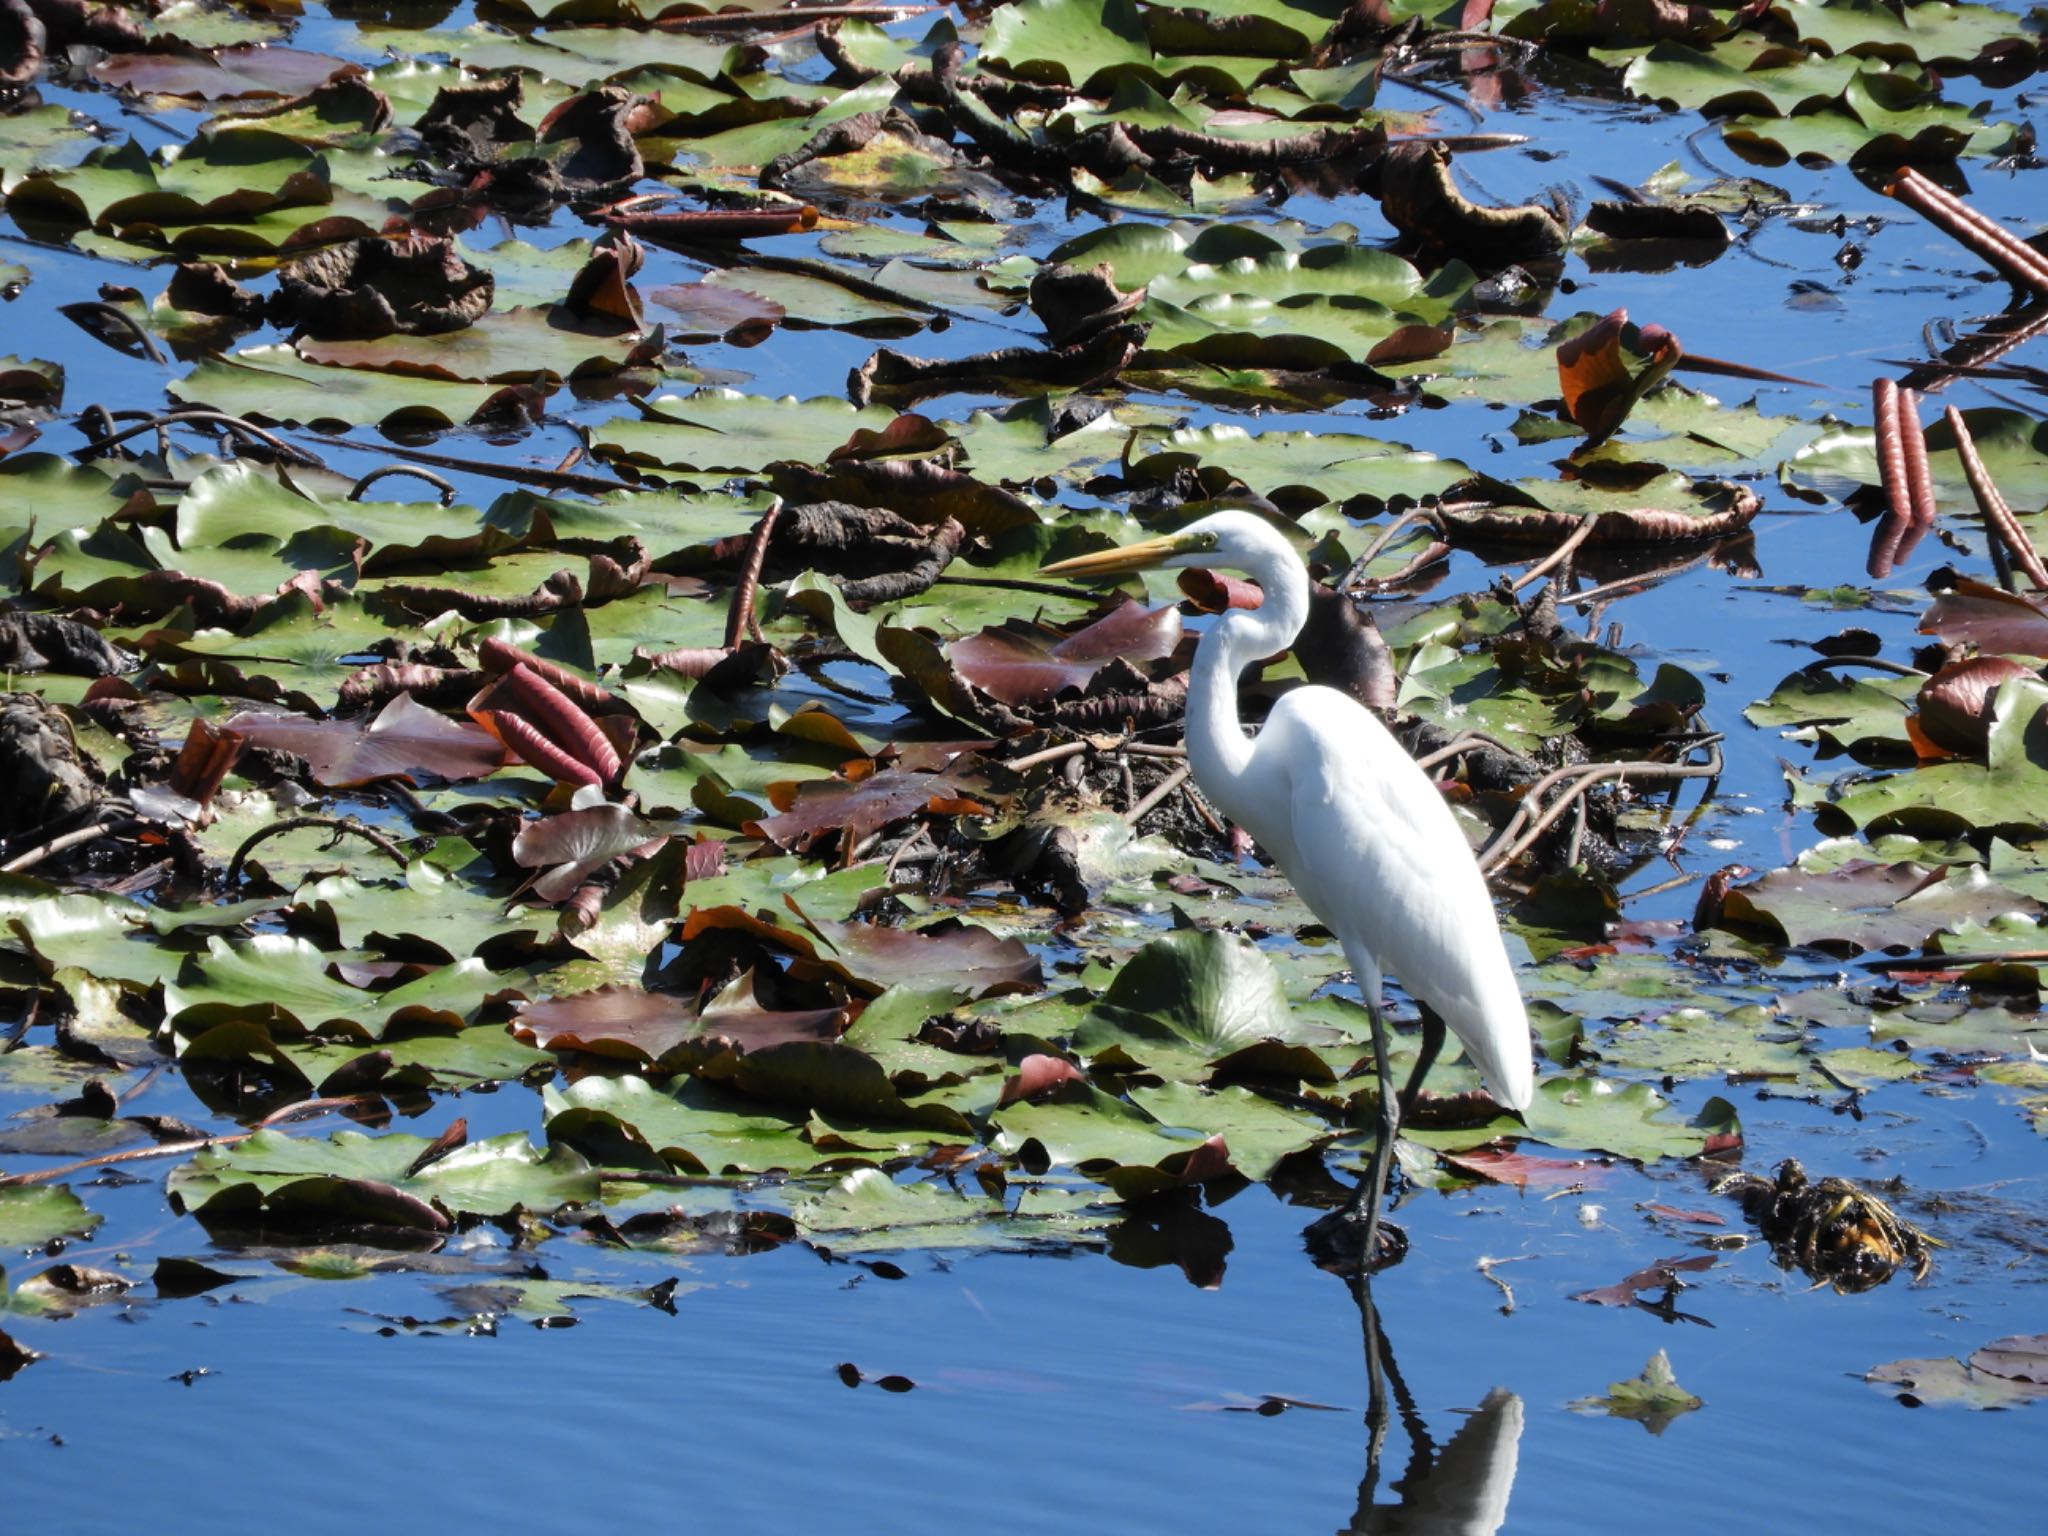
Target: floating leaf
{"type": "Point", "coordinates": [1653, 1399]}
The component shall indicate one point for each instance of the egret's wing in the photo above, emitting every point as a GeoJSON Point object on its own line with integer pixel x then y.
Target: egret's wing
{"type": "Point", "coordinates": [1377, 854]}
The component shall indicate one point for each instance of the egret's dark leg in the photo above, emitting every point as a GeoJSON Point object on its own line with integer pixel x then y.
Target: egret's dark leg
{"type": "Point", "coordinates": [1372, 1193]}
{"type": "Point", "coordinates": [1432, 1046]}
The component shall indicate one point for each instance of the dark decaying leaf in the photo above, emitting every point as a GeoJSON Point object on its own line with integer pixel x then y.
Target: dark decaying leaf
{"type": "Point", "coordinates": [14, 1355]}
{"type": "Point", "coordinates": [419, 284]}
{"type": "Point", "coordinates": [1419, 197]}
{"type": "Point", "coordinates": [1659, 1276]}
{"type": "Point", "coordinates": [1726, 508]}
{"type": "Point", "coordinates": [1831, 1229]}
{"type": "Point", "coordinates": [44, 779]}
{"type": "Point", "coordinates": [403, 740]}
{"type": "Point", "coordinates": [35, 642]}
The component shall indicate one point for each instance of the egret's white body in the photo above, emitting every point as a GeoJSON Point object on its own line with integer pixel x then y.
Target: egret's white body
{"type": "Point", "coordinates": [1344, 811]}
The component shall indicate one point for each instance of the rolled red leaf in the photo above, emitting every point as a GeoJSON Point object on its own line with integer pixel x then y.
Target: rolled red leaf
{"type": "Point", "coordinates": [1919, 482]}
{"type": "Point", "coordinates": [2017, 261]}
{"type": "Point", "coordinates": [561, 720]}
{"type": "Point", "coordinates": [499, 657]}
{"type": "Point", "coordinates": [1998, 519]}
{"type": "Point", "coordinates": [536, 750]}
{"type": "Point", "coordinates": [1891, 465]}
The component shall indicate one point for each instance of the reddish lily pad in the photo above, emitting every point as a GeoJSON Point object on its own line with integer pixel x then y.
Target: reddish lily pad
{"type": "Point", "coordinates": [811, 811]}
{"type": "Point", "coordinates": [1022, 663]}
{"type": "Point", "coordinates": [404, 740]}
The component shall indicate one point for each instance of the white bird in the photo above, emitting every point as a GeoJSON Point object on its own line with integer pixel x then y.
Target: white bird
{"type": "Point", "coordinates": [1353, 823]}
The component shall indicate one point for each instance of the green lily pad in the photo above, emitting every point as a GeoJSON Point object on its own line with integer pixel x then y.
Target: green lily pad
{"type": "Point", "coordinates": [34, 1214]}
{"type": "Point", "coordinates": [1593, 1114]}
{"type": "Point", "coordinates": [867, 1212]}
{"type": "Point", "coordinates": [698, 1127]}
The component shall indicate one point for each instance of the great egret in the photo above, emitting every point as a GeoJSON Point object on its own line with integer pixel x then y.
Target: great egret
{"type": "Point", "coordinates": [1359, 829]}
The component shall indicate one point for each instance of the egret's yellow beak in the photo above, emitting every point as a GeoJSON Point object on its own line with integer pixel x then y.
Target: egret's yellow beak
{"type": "Point", "coordinates": [1141, 556]}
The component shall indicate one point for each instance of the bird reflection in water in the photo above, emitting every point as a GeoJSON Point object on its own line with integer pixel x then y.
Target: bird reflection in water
{"type": "Point", "coordinates": [1458, 1489]}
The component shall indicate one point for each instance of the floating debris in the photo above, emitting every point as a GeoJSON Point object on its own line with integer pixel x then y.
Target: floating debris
{"type": "Point", "coordinates": [1835, 1231]}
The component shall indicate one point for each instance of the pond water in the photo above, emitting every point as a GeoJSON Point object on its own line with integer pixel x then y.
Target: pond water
{"type": "Point", "coordinates": [1116, 1390]}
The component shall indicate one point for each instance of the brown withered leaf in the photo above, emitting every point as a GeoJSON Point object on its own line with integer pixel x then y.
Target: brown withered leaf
{"type": "Point", "coordinates": [1213, 592]}
{"type": "Point", "coordinates": [1656, 1277]}
{"type": "Point", "coordinates": [1604, 370]}
{"type": "Point", "coordinates": [1506, 1166]}
{"type": "Point", "coordinates": [812, 810]}
{"type": "Point", "coordinates": [209, 752]}
{"type": "Point", "coordinates": [1409, 344]}
{"type": "Point", "coordinates": [404, 740]}
{"type": "Point", "coordinates": [948, 955]}
{"type": "Point", "coordinates": [1021, 663]}
{"type": "Point", "coordinates": [626, 1022]}
{"type": "Point", "coordinates": [603, 287]}
{"type": "Point", "coordinates": [247, 70]}
{"type": "Point", "coordinates": [737, 1018]}
{"type": "Point", "coordinates": [731, 315]}
{"type": "Point", "coordinates": [1989, 618]}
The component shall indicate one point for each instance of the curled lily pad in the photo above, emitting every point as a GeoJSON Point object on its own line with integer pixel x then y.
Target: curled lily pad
{"type": "Point", "coordinates": [373, 1184]}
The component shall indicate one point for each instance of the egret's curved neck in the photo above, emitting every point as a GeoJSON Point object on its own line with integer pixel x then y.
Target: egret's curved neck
{"type": "Point", "coordinates": [1219, 751]}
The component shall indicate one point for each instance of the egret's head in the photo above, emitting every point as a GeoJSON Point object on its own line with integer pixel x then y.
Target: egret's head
{"type": "Point", "coordinates": [1238, 541]}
